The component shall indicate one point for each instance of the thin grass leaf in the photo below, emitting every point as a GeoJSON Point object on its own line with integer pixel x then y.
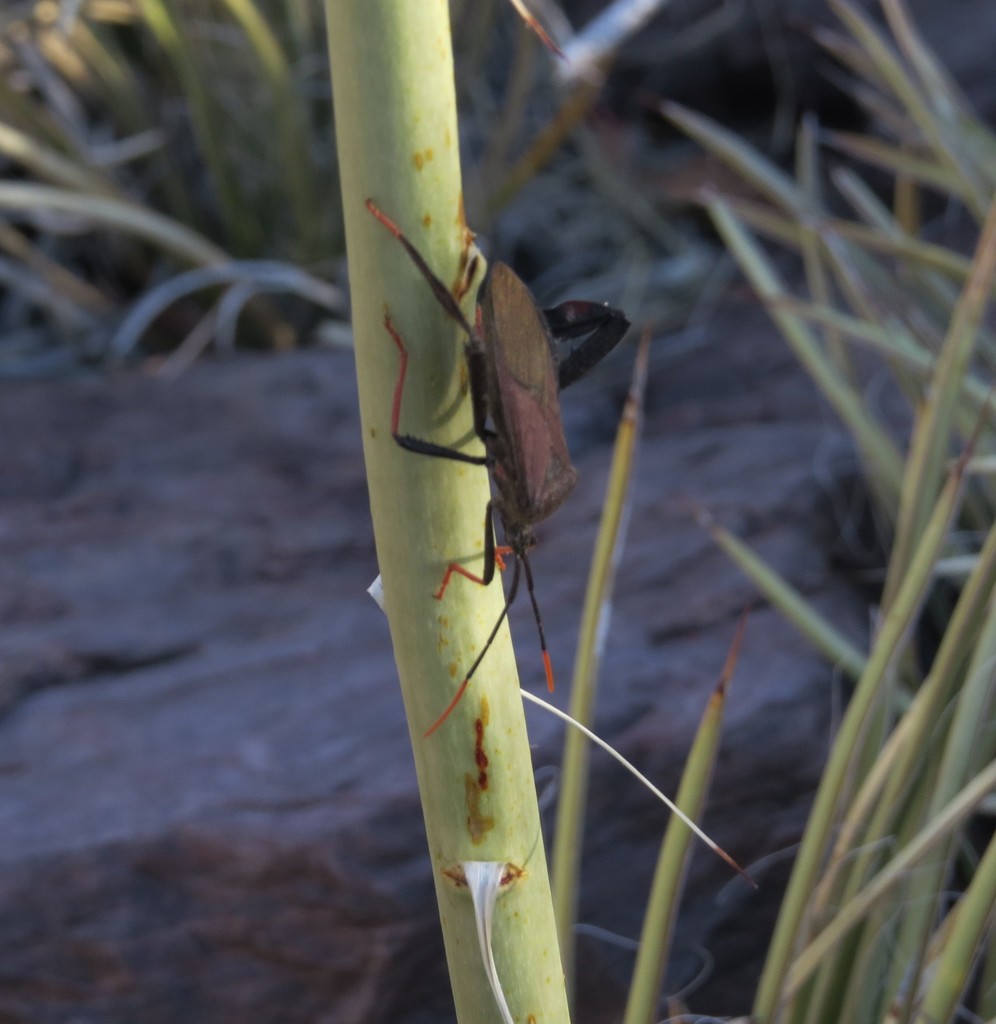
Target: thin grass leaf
{"type": "Point", "coordinates": [907, 205]}
{"type": "Point", "coordinates": [973, 921]}
{"type": "Point", "coordinates": [111, 77]}
{"type": "Point", "coordinates": [987, 982]}
{"type": "Point", "coordinates": [57, 278]}
{"type": "Point", "coordinates": [966, 747]}
{"type": "Point", "coordinates": [261, 274]}
{"type": "Point", "coordinates": [768, 179]}
{"type": "Point", "coordinates": [808, 172]}
{"type": "Point", "coordinates": [923, 291]}
{"type": "Point", "coordinates": [865, 704]}
{"type": "Point", "coordinates": [946, 97]}
{"type": "Point", "coordinates": [930, 446]}
{"type": "Point", "coordinates": [897, 161]}
{"type": "Point", "coordinates": [832, 644]}
{"type": "Point", "coordinates": [670, 804]}
{"type": "Point", "coordinates": [165, 233]}
{"type": "Point", "coordinates": [588, 52]}
{"type": "Point", "coordinates": [523, 67]}
{"type": "Point", "coordinates": [661, 914]}
{"type": "Point", "coordinates": [533, 23]}
{"type": "Point", "coordinates": [849, 55]}
{"type": "Point", "coordinates": [881, 458]}
{"type": "Point", "coordinates": [595, 618]}
{"type": "Point", "coordinates": [909, 250]}
{"type": "Point", "coordinates": [781, 228]}
{"type": "Point", "coordinates": [893, 342]}
{"type": "Point", "coordinates": [768, 222]}
{"type": "Point", "coordinates": [299, 186]}
{"type": "Point", "coordinates": [901, 759]}
{"type": "Point", "coordinates": [29, 115]}
{"type": "Point", "coordinates": [848, 984]}
{"type": "Point", "coordinates": [880, 108]}
{"type": "Point", "coordinates": [115, 82]}
{"type": "Point", "coordinates": [543, 148]}
{"type": "Point", "coordinates": [912, 99]}
{"type": "Point", "coordinates": [205, 116]}
{"type": "Point", "coordinates": [51, 166]}
{"type": "Point", "coordinates": [964, 751]}
{"type": "Point", "coordinates": [936, 832]}
{"type": "Point", "coordinates": [17, 279]}
{"type": "Point", "coordinates": [866, 281]}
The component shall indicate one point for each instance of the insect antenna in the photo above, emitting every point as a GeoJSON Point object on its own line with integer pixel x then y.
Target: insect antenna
{"type": "Point", "coordinates": [484, 650]}
{"type": "Point", "coordinates": [539, 619]}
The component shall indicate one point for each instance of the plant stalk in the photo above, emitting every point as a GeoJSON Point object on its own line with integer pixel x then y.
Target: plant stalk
{"type": "Point", "coordinates": [396, 131]}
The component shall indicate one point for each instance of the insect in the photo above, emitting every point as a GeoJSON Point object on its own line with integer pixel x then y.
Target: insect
{"type": "Point", "coordinates": [514, 382]}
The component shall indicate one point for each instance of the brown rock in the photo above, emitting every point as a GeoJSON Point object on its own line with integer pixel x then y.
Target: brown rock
{"type": "Point", "coordinates": [207, 802]}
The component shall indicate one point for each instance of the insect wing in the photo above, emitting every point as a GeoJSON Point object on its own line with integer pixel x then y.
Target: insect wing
{"type": "Point", "coordinates": [533, 471]}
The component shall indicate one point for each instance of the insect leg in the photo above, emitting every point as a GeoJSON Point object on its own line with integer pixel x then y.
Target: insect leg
{"type": "Point", "coordinates": [493, 556]}
{"type": "Point", "coordinates": [416, 444]}
{"type": "Point", "coordinates": [605, 325]}
{"type": "Point", "coordinates": [461, 689]}
{"type": "Point", "coordinates": [539, 620]}
{"type": "Point", "coordinates": [442, 293]}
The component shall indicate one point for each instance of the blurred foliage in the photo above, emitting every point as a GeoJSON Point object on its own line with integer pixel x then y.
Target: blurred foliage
{"type": "Point", "coordinates": [215, 113]}
{"type": "Point", "coordinates": [142, 138]}
{"type": "Point", "coordinates": [139, 137]}
{"type": "Point", "coordinates": [889, 912]}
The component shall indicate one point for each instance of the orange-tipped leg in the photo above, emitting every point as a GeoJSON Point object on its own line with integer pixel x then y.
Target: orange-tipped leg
{"type": "Point", "coordinates": [449, 708]}
{"type": "Point", "coordinates": [454, 567]}
{"type": "Point", "coordinates": [461, 689]}
{"type": "Point", "coordinates": [549, 670]}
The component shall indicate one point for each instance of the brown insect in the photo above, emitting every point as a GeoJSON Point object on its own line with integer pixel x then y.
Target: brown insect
{"type": "Point", "coordinates": [515, 378]}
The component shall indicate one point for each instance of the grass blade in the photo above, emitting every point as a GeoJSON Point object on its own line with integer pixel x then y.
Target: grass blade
{"type": "Point", "coordinates": [569, 827]}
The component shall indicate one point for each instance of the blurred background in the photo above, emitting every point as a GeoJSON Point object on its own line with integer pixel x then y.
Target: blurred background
{"type": "Point", "coordinates": [207, 806]}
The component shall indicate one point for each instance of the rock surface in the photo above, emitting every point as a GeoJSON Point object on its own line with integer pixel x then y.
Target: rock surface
{"type": "Point", "coordinates": [207, 804]}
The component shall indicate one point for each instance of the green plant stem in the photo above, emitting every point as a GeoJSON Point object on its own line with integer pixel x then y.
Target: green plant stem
{"type": "Point", "coordinates": [396, 131]}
